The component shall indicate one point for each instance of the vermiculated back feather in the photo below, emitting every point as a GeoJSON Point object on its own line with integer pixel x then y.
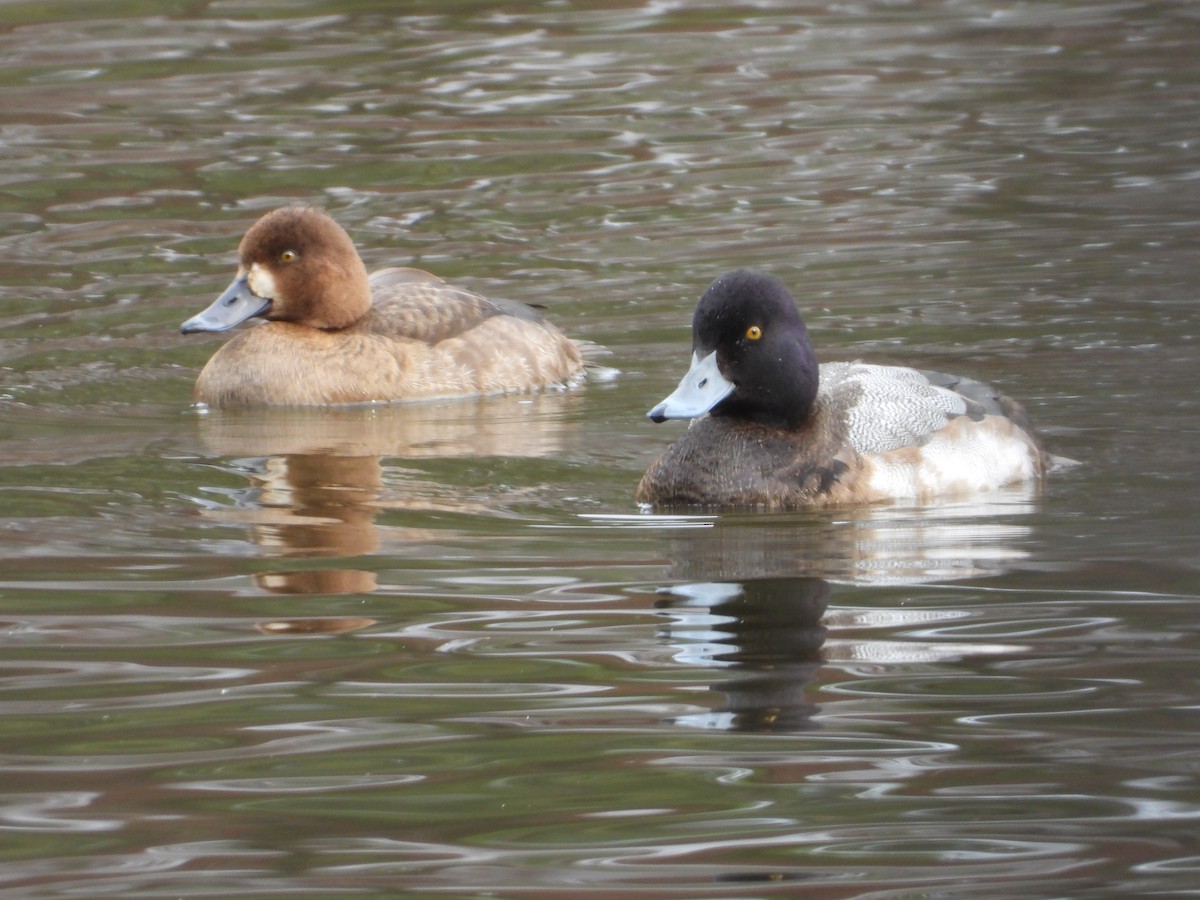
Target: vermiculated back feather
{"type": "Point", "coordinates": [887, 407]}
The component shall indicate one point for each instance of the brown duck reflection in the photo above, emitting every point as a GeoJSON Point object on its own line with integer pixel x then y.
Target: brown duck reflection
{"type": "Point", "coordinates": [766, 630]}
{"type": "Point", "coordinates": [318, 481]}
{"type": "Point", "coordinates": [311, 506]}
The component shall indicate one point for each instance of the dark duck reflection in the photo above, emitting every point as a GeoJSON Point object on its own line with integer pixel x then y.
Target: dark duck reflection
{"type": "Point", "coordinates": [767, 632]}
{"type": "Point", "coordinates": [748, 593]}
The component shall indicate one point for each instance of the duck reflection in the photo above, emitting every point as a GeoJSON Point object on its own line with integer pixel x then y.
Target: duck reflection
{"type": "Point", "coordinates": [317, 481]}
{"type": "Point", "coordinates": [877, 545]}
{"type": "Point", "coordinates": [312, 506]}
{"type": "Point", "coordinates": [767, 630]}
{"type": "Point", "coordinates": [751, 590]}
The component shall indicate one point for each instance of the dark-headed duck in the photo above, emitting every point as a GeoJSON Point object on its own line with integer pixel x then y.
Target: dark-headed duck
{"type": "Point", "coordinates": [774, 429]}
{"type": "Point", "coordinates": [336, 335]}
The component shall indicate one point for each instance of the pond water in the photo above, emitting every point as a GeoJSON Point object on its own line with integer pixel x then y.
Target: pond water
{"type": "Point", "coordinates": [438, 650]}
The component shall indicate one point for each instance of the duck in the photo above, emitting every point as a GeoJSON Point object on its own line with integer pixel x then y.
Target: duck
{"type": "Point", "coordinates": [335, 335]}
{"type": "Point", "coordinates": [773, 429]}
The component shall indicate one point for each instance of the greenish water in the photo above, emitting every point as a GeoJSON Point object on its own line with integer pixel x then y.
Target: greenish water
{"type": "Point", "coordinates": [438, 649]}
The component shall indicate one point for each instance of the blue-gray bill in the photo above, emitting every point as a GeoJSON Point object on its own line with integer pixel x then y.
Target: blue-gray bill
{"type": "Point", "coordinates": [702, 388]}
{"type": "Point", "coordinates": [237, 304]}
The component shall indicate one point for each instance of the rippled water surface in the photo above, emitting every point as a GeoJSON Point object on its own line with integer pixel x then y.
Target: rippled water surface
{"type": "Point", "coordinates": [438, 650]}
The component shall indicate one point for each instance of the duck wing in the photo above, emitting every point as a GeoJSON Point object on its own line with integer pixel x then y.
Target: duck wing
{"type": "Point", "coordinates": [412, 303]}
{"type": "Point", "coordinates": [885, 408]}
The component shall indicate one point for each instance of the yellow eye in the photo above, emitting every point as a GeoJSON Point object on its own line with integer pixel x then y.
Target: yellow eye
{"type": "Point", "coordinates": [754, 332]}
{"type": "Point", "coordinates": [287, 256]}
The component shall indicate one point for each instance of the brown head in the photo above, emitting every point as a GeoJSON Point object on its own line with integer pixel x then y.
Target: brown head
{"type": "Point", "coordinates": [295, 264]}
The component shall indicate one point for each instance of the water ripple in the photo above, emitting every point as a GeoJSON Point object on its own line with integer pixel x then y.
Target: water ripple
{"type": "Point", "coordinates": [439, 648]}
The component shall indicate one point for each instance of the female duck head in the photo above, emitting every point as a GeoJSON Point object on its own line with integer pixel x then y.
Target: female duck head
{"type": "Point", "coordinates": [751, 357]}
{"type": "Point", "coordinates": [295, 264]}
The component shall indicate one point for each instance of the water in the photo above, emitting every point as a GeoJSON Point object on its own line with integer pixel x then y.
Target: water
{"type": "Point", "coordinates": [438, 650]}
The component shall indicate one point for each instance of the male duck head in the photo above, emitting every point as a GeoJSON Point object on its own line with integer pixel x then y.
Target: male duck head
{"type": "Point", "coordinates": [751, 356]}
{"type": "Point", "coordinates": [295, 264]}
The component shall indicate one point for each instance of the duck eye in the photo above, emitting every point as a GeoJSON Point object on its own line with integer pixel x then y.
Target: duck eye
{"type": "Point", "coordinates": [287, 256]}
{"type": "Point", "coordinates": [754, 332]}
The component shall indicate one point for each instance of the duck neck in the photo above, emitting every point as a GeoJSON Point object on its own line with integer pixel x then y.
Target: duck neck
{"type": "Point", "coordinates": [354, 297]}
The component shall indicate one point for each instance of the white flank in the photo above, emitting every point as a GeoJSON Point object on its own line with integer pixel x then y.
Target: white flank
{"type": "Point", "coordinates": [962, 458]}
